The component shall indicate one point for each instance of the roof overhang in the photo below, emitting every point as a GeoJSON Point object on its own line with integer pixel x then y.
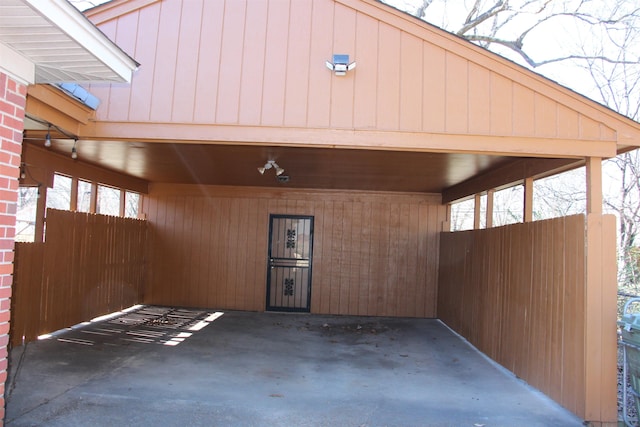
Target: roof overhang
{"type": "Point", "coordinates": [50, 41]}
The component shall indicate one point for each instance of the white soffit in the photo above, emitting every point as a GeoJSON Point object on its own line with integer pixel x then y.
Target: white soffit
{"type": "Point", "coordinates": [61, 42]}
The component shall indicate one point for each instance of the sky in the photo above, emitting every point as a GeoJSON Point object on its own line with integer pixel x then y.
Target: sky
{"type": "Point", "coordinates": [555, 38]}
{"type": "Point", "coordinates": [86, 4]}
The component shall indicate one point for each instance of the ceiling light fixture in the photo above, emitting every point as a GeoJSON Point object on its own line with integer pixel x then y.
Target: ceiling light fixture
{"type": "Point", "coordinates": [271, 164]}
{"type": "Point", "coordinates": [74, 151]}
{"type": "Point", "coordinates": [47, 139]}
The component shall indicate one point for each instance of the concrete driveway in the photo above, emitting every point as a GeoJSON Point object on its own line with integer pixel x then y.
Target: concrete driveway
{"type": "Point", "coordinates": [161, 366]}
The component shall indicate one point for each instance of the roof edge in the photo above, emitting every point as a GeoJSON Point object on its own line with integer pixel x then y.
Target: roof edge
{"type": "Point", "coordinates": [114, 9]}
{"type": "Point", "coordinates": [66, 17]}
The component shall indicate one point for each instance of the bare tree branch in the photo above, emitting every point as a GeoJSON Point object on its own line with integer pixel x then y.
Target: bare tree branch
{"type": "Point", "coordinates": [516, 46]}
{"type": "Point", "coordinates": [421, 10]}
{"type": "Point", "coordinates": [472, 22]}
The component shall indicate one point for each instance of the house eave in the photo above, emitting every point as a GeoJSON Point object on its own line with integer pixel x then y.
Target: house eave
{"type": "Point", "coordinates": [105, 60]}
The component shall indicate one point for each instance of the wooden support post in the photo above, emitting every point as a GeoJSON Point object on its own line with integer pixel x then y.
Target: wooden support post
{"type": "Point", "coordinates": [476, 211]}
{"type": "Point", "coordinates": [141, 212]}
{"type": "Point", "coordinates": [600, 305]}
{"type": "Point", "coordinates": [446, 225]}
{"type": "Point", "coordinates": [93, 202]}
{"type": "Point", "coordinates": [41, 208]}
{"type": "Point", "coordinates": [123, 202]}
{"type": "Point", "coordinates": [528, 200]}
{"type": "Point", "coordinates": [73, 203]}
{"type": "Point", "coordinates": [594, 185]}
{"type": "Point", "coordinates": [489, 220]}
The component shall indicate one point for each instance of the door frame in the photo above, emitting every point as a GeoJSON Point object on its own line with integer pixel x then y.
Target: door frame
{"type": "Point", "coordinates": [268, 306]}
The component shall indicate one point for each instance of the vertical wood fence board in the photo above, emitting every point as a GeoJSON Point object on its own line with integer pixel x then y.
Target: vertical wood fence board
{"type": "Point", "coordinates": [250, 243]}
{"type": "Point", "coordinates": [431, 219]}
{"type": "Point", "coordinates": [574, 315]}
{"type": "Point", "coordinates": [599, 335]}
{"type": "Point", "coordinates": [355, 243]}
{"type": "Point", "coordinates": [608, 384]}
{"type": "Point", "coordinates": [26, 298]}
{"type": "Point", "coordinates": [412, 260]}
{"type": "Point", "coordinates": [375, 266]}
{"type": "Point", "coordinates": [404, 297]}
{"type": "Point", "coordinates": [242, 293]}
{"type": "Point", "coordinates": [365, 262]}
{"type": "Point", "coordinates": [555, 367]}
{"type": "Point", "coordinates": [381, 309]}
{"type": "Point", "coordinates": [231, 262]}
{"type": "Point", "coordinates": [339, 261]}
{"type": "Point", "coordinates": [393, 275]}
{"type": "Point", "coordinates": [335, 256]}
{"type": "Point", "coordinates": [322, 280]}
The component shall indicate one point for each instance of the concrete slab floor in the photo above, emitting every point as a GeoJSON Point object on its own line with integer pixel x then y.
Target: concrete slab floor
{"type": "Point", "coordinates": [189, 368]}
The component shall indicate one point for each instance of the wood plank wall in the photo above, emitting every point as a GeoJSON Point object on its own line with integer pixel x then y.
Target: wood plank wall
{"type": "Point", "coordinates": [374, 253]}
{"type": "Point", "coordinates": [258, 63]}
{"type": "Point", "coordinates": [518, 294]}
{"type": "Point", "coordinates": [89, 265]}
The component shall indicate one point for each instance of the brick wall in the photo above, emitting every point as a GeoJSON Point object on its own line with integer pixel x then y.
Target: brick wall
{"type": "Point", "coordinates": [13, 96]}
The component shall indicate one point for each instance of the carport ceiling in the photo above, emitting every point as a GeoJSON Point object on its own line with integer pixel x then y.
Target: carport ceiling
{"type": "Point", "coordinates": [323, 168]}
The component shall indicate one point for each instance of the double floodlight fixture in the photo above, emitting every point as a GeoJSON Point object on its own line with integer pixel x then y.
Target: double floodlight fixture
{"type": "Point", "coordinates": [340, 64]}
{"type": "Point", "coordinates": [271, 164]}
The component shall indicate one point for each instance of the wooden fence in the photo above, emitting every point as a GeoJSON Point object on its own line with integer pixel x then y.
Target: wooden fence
{"type": "Point", "coordinates": [518, 294]}
{"type": "Point", "coordinates": [88, 266]}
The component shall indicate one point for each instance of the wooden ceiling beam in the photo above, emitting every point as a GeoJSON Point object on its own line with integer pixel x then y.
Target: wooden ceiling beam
{"type": "Point", "coordinates": [350, 138]}
{"type": "Point", "coordinates": [507, 175]}
{"type": "Point", "coordinates": [46, 103]}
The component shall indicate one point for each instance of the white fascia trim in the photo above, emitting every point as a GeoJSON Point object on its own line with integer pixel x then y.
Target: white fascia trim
{"type": "Point", "coordinates": [16, 66]}
{"type": "Point", "coordinates": [66, 17]}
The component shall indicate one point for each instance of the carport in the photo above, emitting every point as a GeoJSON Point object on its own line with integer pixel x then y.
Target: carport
{"type": "Point", "coordinates": [354, 219]}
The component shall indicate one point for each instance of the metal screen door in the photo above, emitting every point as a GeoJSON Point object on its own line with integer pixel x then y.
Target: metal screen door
{"type": "Point", "coordinates": [289, 269]}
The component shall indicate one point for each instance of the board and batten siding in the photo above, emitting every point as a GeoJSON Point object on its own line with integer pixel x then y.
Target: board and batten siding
{"type": "Point", "coordinates": [259, 63]}
{"type": "Point", "coordinates": [374, 254]}
{"type": "Point", "coordinates": [518, 294]}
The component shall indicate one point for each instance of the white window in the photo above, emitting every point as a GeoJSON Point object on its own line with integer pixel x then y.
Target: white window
{"type": "Point", "coordinates": [560, 195]}
{"type": "Point", "coordinates": [131, 204]}
{"type": "Point", "coordinates": [59, 197]}
{"type": "Point", "coordinates": [108, 201]}
{"type": "Point", "coordinates": [26, 214]}
{"type": "Point", "coordinates": [84, 196]}
{"type": "Point", "coordinates": [508, 206]}
{"type": "Point", "coordinates": [462, 215]}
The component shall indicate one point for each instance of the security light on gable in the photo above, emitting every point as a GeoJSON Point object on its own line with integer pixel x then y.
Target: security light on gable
{"type": "Point", "coordinates": [340, 64]}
